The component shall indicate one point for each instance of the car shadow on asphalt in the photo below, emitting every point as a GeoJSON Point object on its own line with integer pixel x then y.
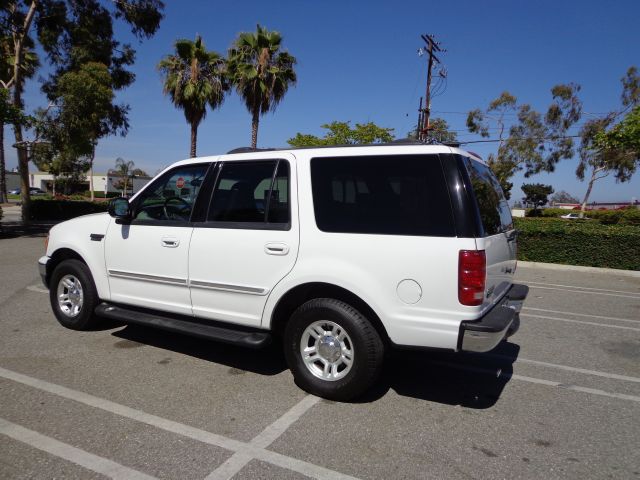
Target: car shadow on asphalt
{"type": "Point", "coordinates": [469, 380]}
{"type": "Point", "coordinates": [266, 361]}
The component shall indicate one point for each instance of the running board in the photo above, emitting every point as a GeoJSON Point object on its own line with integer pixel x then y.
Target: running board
{"type": "Point", "coordinates": [234, 336]}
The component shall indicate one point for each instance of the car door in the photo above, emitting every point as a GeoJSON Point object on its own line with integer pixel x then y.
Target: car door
{"type": "Point", "coordinates": [147, 259]}
{"type": "Point", "coordinates": [248, 242]}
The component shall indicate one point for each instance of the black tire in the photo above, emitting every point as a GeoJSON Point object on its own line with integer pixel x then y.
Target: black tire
{"type": "Point", "coordinates": [367, 346]}
{"type": "Point", "coordinates": [84, 319]}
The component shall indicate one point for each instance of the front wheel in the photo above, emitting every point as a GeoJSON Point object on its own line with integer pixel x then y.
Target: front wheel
{"type": "Point", "coordinates": [73, 295]}
{"type": "Point", "coordinates": [332, 349]}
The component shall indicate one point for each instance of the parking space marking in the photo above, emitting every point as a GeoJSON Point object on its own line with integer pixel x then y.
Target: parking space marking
{"type": "Point", "coordinates": [497, 372]}
{"type": "Point", "coordinates": [70, 453]}
{"type": "Point", "coordinates": [265, 438]}
{"type": "Point", "coordinates": [617, 319]}
{"type": "Point", "coordinates": [570, 320]}
{"type": "Point", "coordinates": [584, 288]}
{"type": "Point", "coordinates": [586, 291]}
{"type": "Point", "coordinates": [37, 288]}
{"type": "Point", "coordinates": [280, 460]}
{"type": "Point", "coordinates": [596, 373]}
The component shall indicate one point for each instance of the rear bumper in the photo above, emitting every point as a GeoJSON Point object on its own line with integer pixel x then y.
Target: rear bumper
{"type": "Point", "coordinates": [503, 320]}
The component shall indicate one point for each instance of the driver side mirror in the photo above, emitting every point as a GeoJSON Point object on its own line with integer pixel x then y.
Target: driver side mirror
{"type": "Point", "coordinates": [120, 209]}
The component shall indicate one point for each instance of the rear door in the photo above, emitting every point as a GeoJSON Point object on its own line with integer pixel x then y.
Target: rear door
{"type": "Point", "coordinates": [248, 242]}
{"type": "Point", "coordinates": [498, 238]}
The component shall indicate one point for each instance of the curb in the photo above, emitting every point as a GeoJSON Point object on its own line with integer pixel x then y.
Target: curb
{"type": "Point", "coordinates": [577, 268]}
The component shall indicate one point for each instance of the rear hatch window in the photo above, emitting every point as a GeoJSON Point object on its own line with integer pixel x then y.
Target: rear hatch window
{"type": "Point", "coordinates": [492, 204]}
{"type": "Point", "coordinates": [385, 194]}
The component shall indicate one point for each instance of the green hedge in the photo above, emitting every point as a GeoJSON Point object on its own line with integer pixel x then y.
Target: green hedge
{"type": "Point", "coordinates": [573, 242]}
{"type": "Point", "coordinates": [63, 209]}
{"type": "Point", "coordinates": [625, 216]}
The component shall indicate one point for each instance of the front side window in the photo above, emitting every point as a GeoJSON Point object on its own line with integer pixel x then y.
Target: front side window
{"type": "Point", "coordinates": [390, 194]}
{"type": "Point", "coordinates": [251, 193]}
{"type": "Point", "coordinates": [494, 209]}
{"type": "Point", "coordinates": [171, 197]}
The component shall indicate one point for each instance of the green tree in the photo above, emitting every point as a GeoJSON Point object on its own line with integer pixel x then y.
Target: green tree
{"type": "Point", "coordinates": [608, 147]}
{"type": "Point", "coordinates": [71, 33]}
{"type": "Point", "coordinates": [86, 112]}
{"type": "Point", "coordinates": [563, 197]}
{"type": "Point", "coordinates": [261, 72]}
{"type": "Point", "coordinates": [536, 194]}
{"type": "Point", "coordinates": [534, 143]}
{"type": "Point", "coordinates": [125, 169]}
{"type": "Point", "coordinates": [193, 79]}
{"type": "Point", "coordinates": [9, 113]}
{"type": "Point", "coordinates": [341, 133]}
{"type": "Point", "coordinates": [438, 132]}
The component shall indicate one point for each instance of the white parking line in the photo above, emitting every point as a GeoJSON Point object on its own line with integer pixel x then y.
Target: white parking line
{"type": "Point", "coordinates": [570, 320]}
{"type": "Point", "coordinates": [540, 381]}
{"type": "Point", "coordinates": [203, 436]}
{"type": "Point", "coordinates": [265, 438]}
{"type": "Point", "coordinates": [613, 376]}
{"type": "Point", "coordinates": [583, 288]}
{"type": "Point", "coordinates": [72, 454]}
{"type": "Point", "coordinates": [617, 319]}
{"type": "Point", "coordinates": [585, 291]}
{"type": "Point", "coordinates": [37, 288]}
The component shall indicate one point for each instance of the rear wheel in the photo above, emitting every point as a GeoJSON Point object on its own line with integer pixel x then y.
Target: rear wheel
{"type": "Point", "coordinates": [73, 295]}
{"type": "Point", "coordinates": [332, 349]}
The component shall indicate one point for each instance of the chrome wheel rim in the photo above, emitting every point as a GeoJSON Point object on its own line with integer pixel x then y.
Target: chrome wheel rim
{"type": "Point", "coordinates": [327, 350]}
{"type": "Point", "coordinates": [70, 295]}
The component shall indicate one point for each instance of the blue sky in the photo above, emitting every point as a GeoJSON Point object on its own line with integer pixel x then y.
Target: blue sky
{"type": "Point", "coordinates": [357, 61]}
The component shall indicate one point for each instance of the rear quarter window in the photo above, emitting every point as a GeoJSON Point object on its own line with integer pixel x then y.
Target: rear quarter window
{"type": "Point", "coordinates": [492, 204]}
{"type": "Point", "coordinates": [386, 194]}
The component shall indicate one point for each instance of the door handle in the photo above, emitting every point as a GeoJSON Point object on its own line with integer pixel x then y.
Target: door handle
{"type": "Point", "coordinates": [170, 242]}
{"type": "Point", "coordinates": [276, 248]}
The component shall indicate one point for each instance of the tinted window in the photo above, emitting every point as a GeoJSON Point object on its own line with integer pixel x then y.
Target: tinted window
{"type": "Point", "coordinates": [172, 196]}
{"type": "Point", "coordinates": [251, 192]}
{"type": "Point", "coordinates": [494, 209]}
{"type": "Point", "coordinates": [396, 195]}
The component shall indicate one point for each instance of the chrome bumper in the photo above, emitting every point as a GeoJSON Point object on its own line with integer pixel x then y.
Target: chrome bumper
{"type": "Point", "coordinates": [42, 269]}
{"type": "Point", "coordinates": [485, 333]}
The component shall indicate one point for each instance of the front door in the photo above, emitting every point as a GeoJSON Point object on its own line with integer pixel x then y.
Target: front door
{"type": "Point", "coordinates": [248, 242]}
{"type": "Point", "coordinates": [147, 260]}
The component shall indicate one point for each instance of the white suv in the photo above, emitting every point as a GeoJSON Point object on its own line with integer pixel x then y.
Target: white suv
{"type": "Point", "coordinates": [340, 252]}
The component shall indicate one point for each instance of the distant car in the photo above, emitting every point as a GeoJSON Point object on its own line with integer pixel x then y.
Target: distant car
{"type": "Point", "coordinates": [32, 191]}
{"type": "Point", "coordinates": [571, 216]}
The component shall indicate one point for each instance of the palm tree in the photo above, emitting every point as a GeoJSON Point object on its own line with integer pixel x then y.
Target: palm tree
{"type": "Point", "coordinates": [260, 72]}
{"type": "Point", "coordinates": [193, 79]}
{"type": "Point", "coordinates": [124, 168]}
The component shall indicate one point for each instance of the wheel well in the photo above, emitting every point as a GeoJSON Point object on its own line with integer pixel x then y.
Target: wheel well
{"type": "Point", "coordinates": [59, 256]}
{"type": "Point", "coordinates": [303, 293]}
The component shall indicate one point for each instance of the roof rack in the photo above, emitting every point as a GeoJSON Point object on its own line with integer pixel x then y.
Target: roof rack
{"type": "Point", "coordinates": [250, 149]}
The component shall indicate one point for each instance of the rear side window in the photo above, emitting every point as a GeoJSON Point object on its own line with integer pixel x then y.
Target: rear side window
{"type": "Point", "coordinates": [251, 193]}
{"type": "Point", "coordinates": [494, 209]}
{"type": "Point", "coordinates": [390, 194]}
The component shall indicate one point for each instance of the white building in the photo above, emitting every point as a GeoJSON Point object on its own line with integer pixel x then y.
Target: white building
{"type": "Point", "coordinates": [102, 182]}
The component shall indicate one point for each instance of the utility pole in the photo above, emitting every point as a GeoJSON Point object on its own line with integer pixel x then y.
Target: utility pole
{"type": "Point", "coordinates": [424, 113]}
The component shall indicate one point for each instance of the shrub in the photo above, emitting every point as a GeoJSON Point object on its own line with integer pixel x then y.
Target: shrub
{"type": "Point", "coordinates": [586, 243]}
{"type": "Point", "coordinates": [63, 209]}
{"type": "Point", "coordinates": [101, 194]}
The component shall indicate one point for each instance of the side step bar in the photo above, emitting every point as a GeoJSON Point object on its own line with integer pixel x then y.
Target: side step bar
{"type": "Point", "coordinates": [239, 336]}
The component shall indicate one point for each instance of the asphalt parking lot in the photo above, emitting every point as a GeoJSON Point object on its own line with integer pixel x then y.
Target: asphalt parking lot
{"type": "Point", "coordinates": [560, 400]}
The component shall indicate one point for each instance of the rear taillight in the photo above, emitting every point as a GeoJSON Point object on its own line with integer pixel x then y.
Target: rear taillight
{"type": "Point", "coordinates": [472, 274]}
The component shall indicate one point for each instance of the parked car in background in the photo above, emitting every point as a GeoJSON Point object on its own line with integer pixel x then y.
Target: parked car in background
{"type": "Point", "coordinates": [32, 191]}
{"type": "Point", "coordinates": [571, 216]}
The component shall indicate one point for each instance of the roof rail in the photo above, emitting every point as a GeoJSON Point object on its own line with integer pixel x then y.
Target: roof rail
{"type": "Point", "coordinates": [249, 150]}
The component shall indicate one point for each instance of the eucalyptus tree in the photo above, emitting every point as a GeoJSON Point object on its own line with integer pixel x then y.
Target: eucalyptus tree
{"type": "Point", "coordinates": [194, 78]}
{"type": "Point", "coordinates": [261, 72]}
{"type": "Point", "coordinates": [71, 33]}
